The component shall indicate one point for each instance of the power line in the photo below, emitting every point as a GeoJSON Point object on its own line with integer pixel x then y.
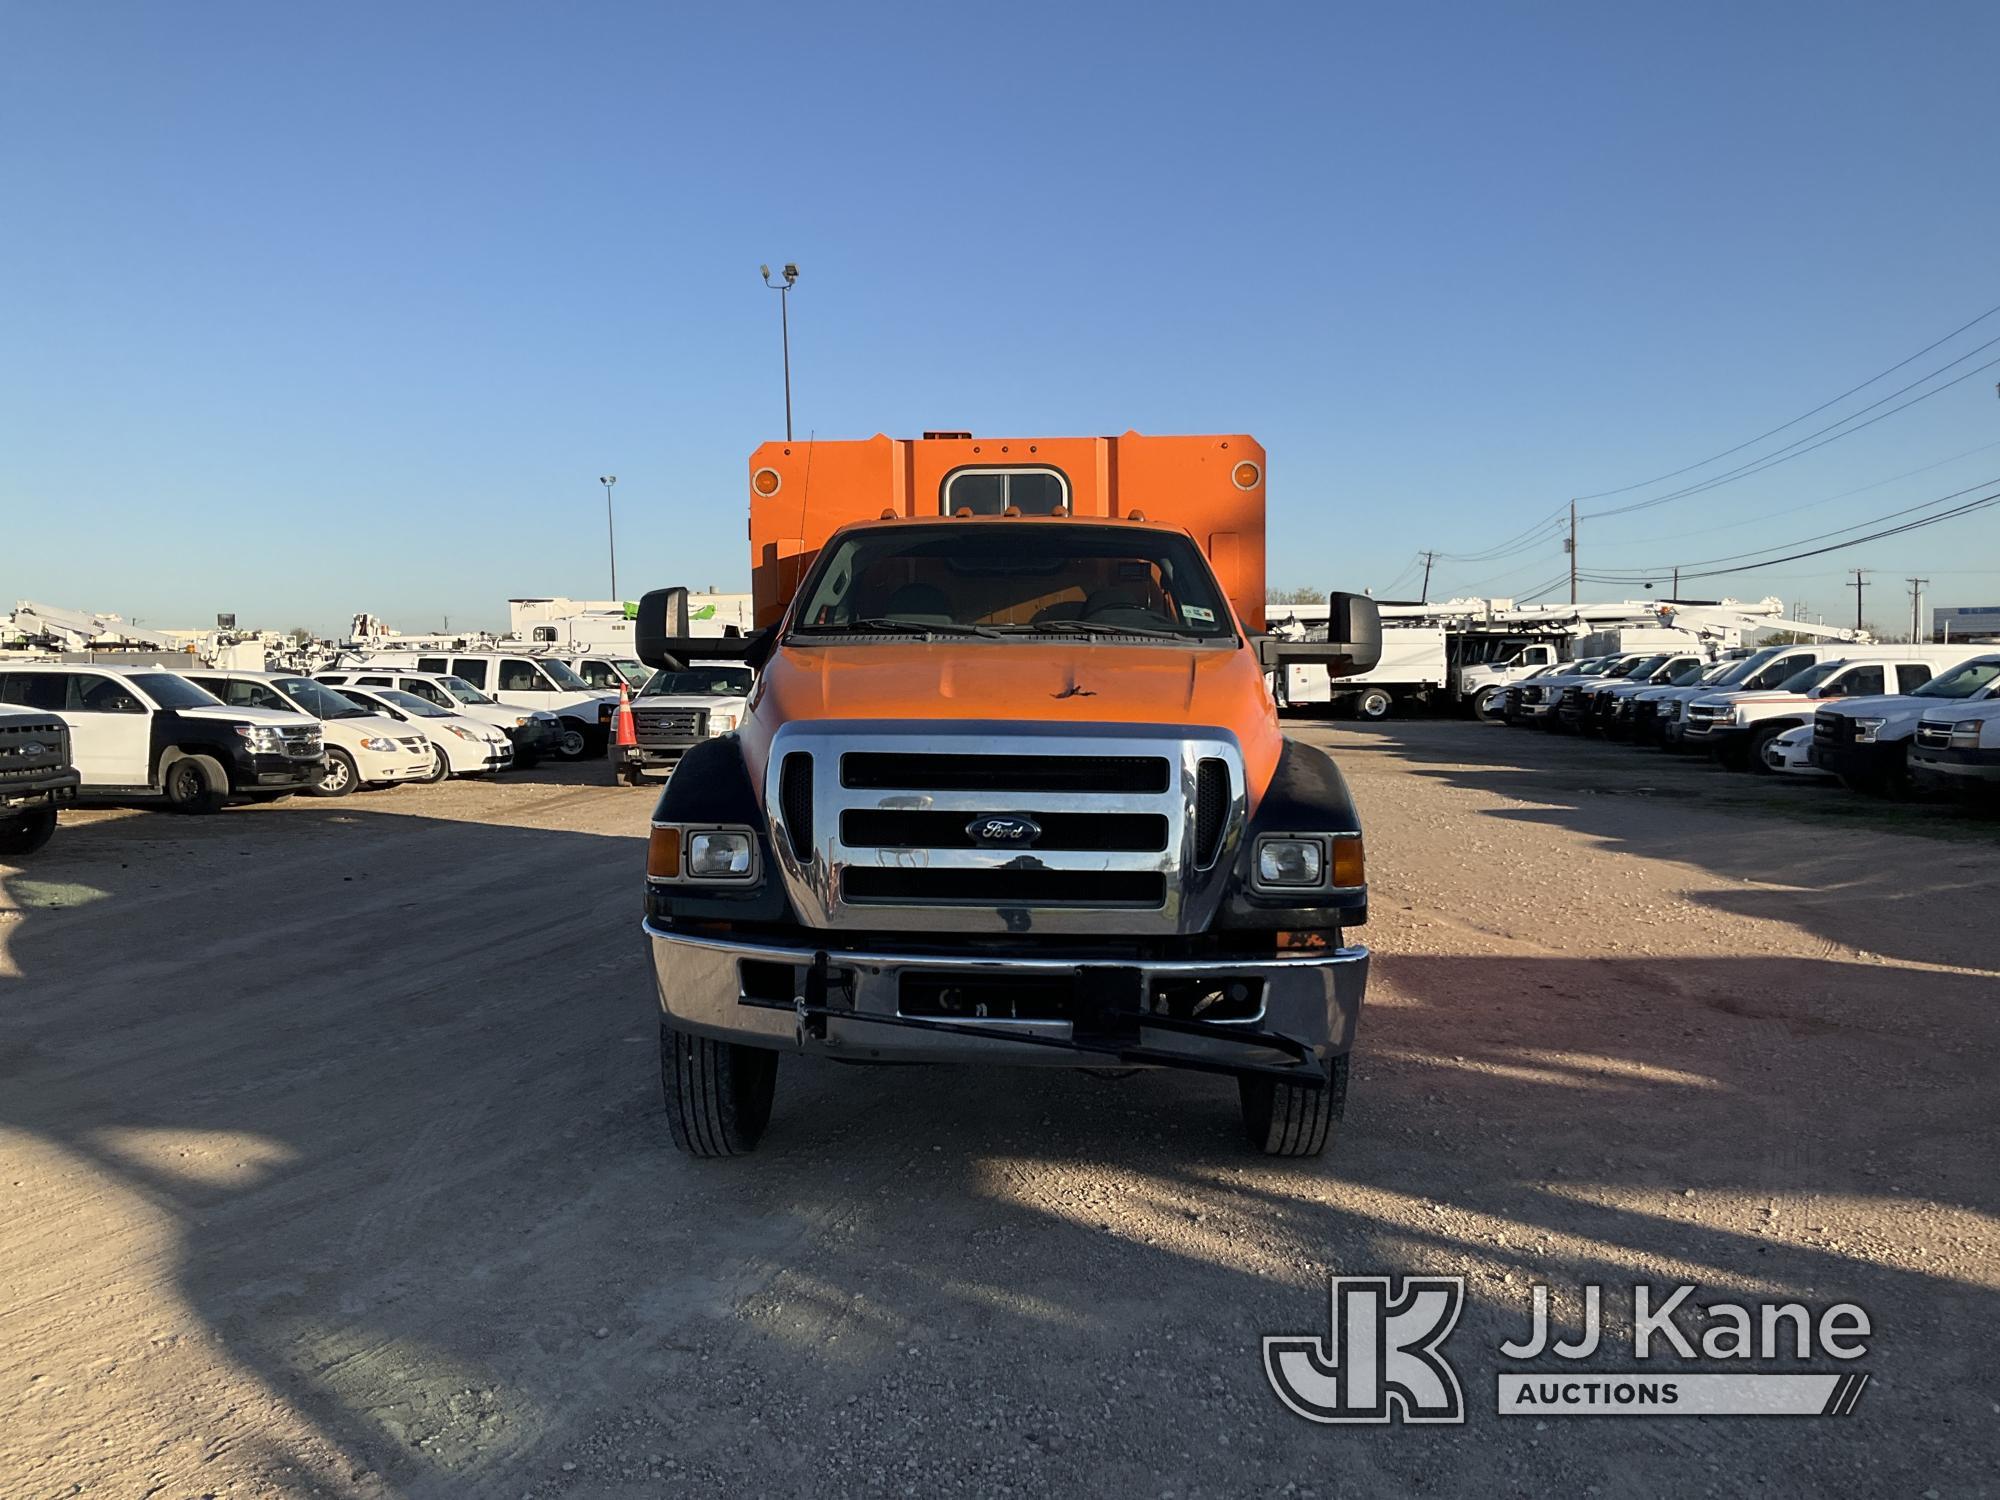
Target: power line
{"type": "Point", "coordinates": [1786, 453]}
{"type": "Point", "coordinates": [1802, 416]}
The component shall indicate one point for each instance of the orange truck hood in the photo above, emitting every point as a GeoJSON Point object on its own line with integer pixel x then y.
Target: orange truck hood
{"type": "Point", "coordinates": [1025, 683]}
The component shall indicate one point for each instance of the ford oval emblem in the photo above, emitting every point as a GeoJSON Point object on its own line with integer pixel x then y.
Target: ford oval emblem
{"type": "Point", "coordinates": [1003, 828]}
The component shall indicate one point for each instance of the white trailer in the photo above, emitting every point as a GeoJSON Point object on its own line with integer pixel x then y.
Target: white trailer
{"type": "Point", "coordinates": [1412, 668]}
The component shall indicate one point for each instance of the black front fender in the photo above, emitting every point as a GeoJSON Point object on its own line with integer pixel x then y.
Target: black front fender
{"type": "Point", "coordinates": [1307, 794]}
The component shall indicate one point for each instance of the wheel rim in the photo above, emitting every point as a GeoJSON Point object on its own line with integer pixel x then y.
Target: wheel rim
{"type": "Point", "coordinates": [336, 776]}
{"type": "Point", "coordinates": [188, 783]}
{"type": "Point", "coordinates": [570, 743]}
{"type": "Point", "coordinates": [440, 767]}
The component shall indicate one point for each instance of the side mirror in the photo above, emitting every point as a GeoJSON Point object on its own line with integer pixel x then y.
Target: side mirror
{"type": "Point", "coordinates": [663, 618]}
{"type": "Point", "coordinates": [1353, 639]}
{"type": "Point", "coordinates": [1354, 628]}
{"type": "Point", "coordinates": [661, 636]}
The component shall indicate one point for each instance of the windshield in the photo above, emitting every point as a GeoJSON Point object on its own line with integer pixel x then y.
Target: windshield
{"type": "Point", "coordinates": [410, 703]}
{"type": "Point", "coordinates": [462, 690]}
{"type": "Point", "coordinates": [634, 672]}
{"type": "Point", "coordinates": [735, 682]}
{"type": "Point", "coordinates": [169, 691]}
{"type": "Point", "coordinates": [1647, 667]}
{"type": "Point", "coordinates": [317, 699]}
{"type": "Point", "coordinates": [1007, 580]}
{"type": "Point", "coordinates": [1690, 676]}
{"type": "Point", "coordinates": [564, 675]}
{"type": "Point", "coordinates": [1742, 669]}
{"type": "Point", "coordinates": [1966, 680]}
{"type": "Point", "coordinates": [1811, 677]}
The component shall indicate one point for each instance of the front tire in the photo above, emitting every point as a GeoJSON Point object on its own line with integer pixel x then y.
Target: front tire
{"type": "Point", "coordinates": [28, 833]}
{"type": "Point", "coordinates": [1282, 1119]}
{"type": "Point", "coordinates": [1759, 739]}
{"type": "Point", "coordinates": [718, 1094]}
{"type": "Point", "coordinates": [195, 784]}
{"type": "Point", "coordinates": [340, 776]}
{"type": "Point", "coordinates": [440, 766]}
{"type": "Point", "coordinates": [571, 743]}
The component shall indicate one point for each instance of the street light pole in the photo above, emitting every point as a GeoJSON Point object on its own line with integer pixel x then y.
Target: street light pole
{"type": "Point", "coordinates": [610, 531]}
{"type": "Point", "coordinates": [790, 274]}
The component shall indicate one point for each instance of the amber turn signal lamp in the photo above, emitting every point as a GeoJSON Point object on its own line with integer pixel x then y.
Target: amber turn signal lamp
{"type": "Point", "coordinates": [1245, 475]}
{"type": "Point", "coordinates": [765, 482]}
{"type": "Point", "coordinates": [663, 854]}
{"type": "Point", "coordinates": [1349, 867]}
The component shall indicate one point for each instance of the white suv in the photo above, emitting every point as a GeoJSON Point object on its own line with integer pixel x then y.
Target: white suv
{"type": "Point", "coordinates": [144, 732]}
{"type": "Point", "coordinates": [523, 680]}
{"type": "Point", "coordinates": [534, 731]}
{"type": "Point", "coordinates": [362, 749]}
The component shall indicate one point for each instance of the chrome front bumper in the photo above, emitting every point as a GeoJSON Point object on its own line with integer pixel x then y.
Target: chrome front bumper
{"type": "Point", "coordinates": [1311, 1004]}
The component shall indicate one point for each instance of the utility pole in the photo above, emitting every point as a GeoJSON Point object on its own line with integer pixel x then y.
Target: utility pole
{"type": "Point", "coordinates": [1857, 598]}
{"type": "Point", "coordinates": [1916, 606]}
{"type": "Point", "coordinates": [1677, 581]}
{"type": "Point", "coordinates": [1570, 548]}
{"type": "Point", "coordinates": [790, 275]}
{"type": "Point", "coordinates": [610, 531]}
{"type": "Point", "coordinates": [1429, 558]}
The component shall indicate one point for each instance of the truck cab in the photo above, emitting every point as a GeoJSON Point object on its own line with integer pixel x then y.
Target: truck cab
{"type": "Point", "coordinates": [1480, 684]}
{"type": "Point", "coordinates": [1009, 788]}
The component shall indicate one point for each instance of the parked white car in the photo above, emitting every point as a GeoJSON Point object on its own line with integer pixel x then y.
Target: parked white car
{"type": "Point", "coordinates": [525, 681]}
{"type": "Point", "coordinates": [533, 731]}
{"type": "Point", "coordinates": [461, 746]}
{"type": "Point", "coordinates": [362, 749]}
{"type": "Point", "coordinates": [1791, 753]}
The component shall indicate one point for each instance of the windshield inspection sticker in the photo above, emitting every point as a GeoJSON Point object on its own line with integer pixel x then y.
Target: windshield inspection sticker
{"type": "Point", "coordinates": [1383, 1359]}
{"type": "Point", "coordinates": [1196, 612]}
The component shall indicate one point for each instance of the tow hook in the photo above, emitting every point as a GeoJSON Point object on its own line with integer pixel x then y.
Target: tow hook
{"type": "Point", "coordinates": [810, 1007]}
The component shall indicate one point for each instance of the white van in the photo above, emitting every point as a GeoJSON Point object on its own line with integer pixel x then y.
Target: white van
{"type": "Point", "coordinates": [523, 680]}
{"type": "Point", "coordinates": [362, 749]}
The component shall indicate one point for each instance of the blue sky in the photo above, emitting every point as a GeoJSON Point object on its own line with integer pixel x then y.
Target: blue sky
{"type": "Point", "coordinates": [318, 309]}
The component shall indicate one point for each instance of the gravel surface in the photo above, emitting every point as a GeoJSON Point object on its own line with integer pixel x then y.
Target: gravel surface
{"type": "Point", "coordinates": [333, 1164]}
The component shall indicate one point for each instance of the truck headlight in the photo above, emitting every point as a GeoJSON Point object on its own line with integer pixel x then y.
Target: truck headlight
{"type": "Point", "coordinates": [722, 723]}
{"type": "Point", "coordinates": [1865, 730]}
{"type": "Point", "coordinates": [261, 738]}
{"type": "Point", "coordinates": [1290, 862]}
{"type": "Point", "coordinates": [1965, 734]}
{"type": "Point", "coordinates": [719, 854]}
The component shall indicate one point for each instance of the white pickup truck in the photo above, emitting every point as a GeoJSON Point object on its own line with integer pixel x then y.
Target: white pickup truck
{"type": "Point", "coordinates": [35, 778]}
{"type": "Point", "coordinates": [1873, 744]}
{"type": "Point", "coordinates": [1957, 749]}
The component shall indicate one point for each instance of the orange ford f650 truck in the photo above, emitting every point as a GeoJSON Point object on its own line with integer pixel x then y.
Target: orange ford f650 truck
{"type": "Point", "coordinates": [1010, 787]}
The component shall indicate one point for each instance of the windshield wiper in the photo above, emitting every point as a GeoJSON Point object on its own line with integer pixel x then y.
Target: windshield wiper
{"type": "Point", "coordinates": [882, 626]}
{"type": "Point", "coordinates": [1099, 627]}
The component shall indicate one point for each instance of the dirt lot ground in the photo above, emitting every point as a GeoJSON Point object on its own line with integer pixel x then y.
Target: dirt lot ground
{"type": "Point", "coordinates": [333, 1163]}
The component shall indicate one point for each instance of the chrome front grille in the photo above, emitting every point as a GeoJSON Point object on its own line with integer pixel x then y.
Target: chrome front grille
{"type": "Point", "coordinates": [37, 746]}
{"type": "Point", "coordinates": [302, 744]}
{"type": "Point", "coordinates": [1005, 828]}
{"type": "Point", "coordinates": [1934, 736]}
{"type": "Point", "coordinates": [669, 723]}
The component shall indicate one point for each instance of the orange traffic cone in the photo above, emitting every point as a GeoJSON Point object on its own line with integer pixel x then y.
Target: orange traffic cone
{"type": "Point", "coordinates": [625, 739]}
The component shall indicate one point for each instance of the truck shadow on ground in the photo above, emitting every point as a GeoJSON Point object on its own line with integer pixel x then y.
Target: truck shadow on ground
{"type": "Point", "coordinates": [1856, 871]}
{"type": "Point", "coordinates": [403, 1135]}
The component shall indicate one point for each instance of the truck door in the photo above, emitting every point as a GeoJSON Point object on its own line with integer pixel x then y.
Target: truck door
{"type": "Point", "coordinates": [110, 731]}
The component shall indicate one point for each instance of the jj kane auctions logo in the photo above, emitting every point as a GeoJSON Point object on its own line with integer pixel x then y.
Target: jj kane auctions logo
{"type": "Point", "coordinates": [1382, 1359]}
